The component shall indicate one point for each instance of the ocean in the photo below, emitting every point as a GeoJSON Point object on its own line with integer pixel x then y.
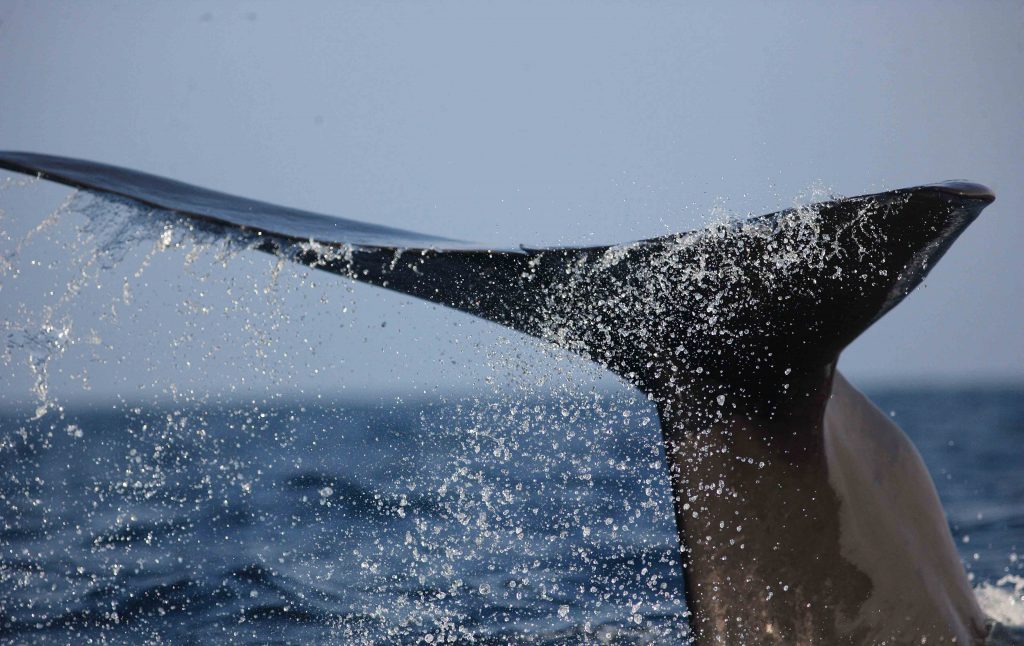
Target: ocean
{"type": "Point", "coordinates": [463, 520]}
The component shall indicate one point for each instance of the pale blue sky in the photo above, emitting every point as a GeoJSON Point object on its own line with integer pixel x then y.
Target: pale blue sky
{"type": "Point", "coordinates": [537, 123]}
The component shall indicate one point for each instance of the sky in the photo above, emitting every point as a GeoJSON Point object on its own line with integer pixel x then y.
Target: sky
{"type": "Point", "coordinates": [510, 122]}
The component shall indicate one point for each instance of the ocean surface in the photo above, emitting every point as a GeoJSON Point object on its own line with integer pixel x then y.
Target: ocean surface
{"type": "Point", "coordinates": [470, 520]}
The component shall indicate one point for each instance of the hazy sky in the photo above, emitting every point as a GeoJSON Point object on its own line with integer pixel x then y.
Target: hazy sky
{"type": "Point", "coordinates": [537, 123]}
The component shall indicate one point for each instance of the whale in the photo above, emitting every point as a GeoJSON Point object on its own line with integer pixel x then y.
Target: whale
{"type": "Point", "coordinates": [804, 514]}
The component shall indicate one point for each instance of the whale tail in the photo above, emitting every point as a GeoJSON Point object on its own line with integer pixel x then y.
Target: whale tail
{"type": "Point", "coordinates": [733, 330]}
{"type": "Point", "coordinates": [731, 300]}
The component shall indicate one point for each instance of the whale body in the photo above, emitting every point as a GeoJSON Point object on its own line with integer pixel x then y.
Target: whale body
{"type": "Point", "coordinates": [804, 514]}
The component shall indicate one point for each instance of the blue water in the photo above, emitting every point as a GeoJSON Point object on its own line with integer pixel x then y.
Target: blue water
{"type": "Point", "coordinates": [496, 521]}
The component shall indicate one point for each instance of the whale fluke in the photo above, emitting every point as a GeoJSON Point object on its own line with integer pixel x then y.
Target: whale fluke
{"type": "Point", "coordinates": [798, 282]}
{"type": "Point", "coordinates": [734, 331]}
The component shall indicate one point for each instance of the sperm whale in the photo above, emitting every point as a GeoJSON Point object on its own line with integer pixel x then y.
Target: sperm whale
{"type": "Point", "coordinates": [804, 514]}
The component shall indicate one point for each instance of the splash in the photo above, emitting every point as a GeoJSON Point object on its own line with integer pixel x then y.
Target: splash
{"type": "Point", "coordinates": [1003, 600]}
{"type": "Point", "coordinates": [106, 233]}
{"type": "Point", "coordinates": [462, 546]}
